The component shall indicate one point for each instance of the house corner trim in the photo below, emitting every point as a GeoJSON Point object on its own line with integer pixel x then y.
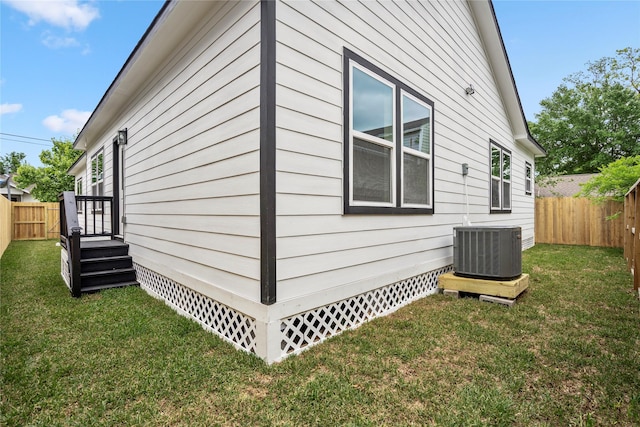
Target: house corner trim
{"type": "Point", "coordinates": [268, 152]}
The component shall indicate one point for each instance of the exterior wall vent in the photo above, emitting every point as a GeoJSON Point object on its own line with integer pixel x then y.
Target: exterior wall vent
{"type": "Point", "coordinates": [493, 253]}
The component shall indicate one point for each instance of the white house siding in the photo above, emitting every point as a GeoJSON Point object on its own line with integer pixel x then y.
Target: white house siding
{"type": "Point", "coordinates": [434, 48]}
{"type": "Point", "coordinates": [192, 159]}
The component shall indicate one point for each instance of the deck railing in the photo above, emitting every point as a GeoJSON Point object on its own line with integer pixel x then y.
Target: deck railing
{"type": "Point", "coordinates": [83, 216]}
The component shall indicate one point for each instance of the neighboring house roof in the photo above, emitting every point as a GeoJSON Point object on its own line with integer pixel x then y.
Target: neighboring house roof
{"type": "Point", "coordinates": [176, 18]}
{"type": "Point", "coordinates": [15, 191]}
{"type": "Point", "coordinates": [563, 186]}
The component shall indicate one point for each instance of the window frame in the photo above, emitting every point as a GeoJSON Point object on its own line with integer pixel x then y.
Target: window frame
{"type": "Point", "coordinates": [501, 179]}
{"type": "Point", "coordinates": [396, 206]}
{"type": "Point", "coordinates": [79, 190]}
{"type": "Point", "coordinates": [97, 186]}
{"type": "Point", "coordinates": [528, 178]}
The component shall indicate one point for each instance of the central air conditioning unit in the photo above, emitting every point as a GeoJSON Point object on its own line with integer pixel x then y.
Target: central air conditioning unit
{"type": "Point", "coordinates": [493, 253]}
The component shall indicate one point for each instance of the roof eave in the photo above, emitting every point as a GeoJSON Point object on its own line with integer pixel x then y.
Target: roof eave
{"type": "Point", "coordinates": [113, 97]}
{"type": "Point", "coordinates": [487, 23]}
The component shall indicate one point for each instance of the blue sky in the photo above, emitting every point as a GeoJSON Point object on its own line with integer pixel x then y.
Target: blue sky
{"type": "Point", "coordinates": [57, 58]}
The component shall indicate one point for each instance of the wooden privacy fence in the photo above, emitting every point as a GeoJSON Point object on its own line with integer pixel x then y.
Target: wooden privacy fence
{"type": "Point", "coordinates": [5, 223]}
{"type": "Point", "coordinates": [632, 232]}
{"type": "Point", "coordinates": [578, 221]}
{"type": "Point", "coordinates": [35, 221]}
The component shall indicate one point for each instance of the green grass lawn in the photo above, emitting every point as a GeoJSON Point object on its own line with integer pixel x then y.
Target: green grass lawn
{"type": "Point", "coordinates": [568, 353]}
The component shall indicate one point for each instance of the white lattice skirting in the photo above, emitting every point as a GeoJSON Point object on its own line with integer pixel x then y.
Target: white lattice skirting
{"type": "Point", "coordinates": [297, 332]}
{"type": "Point", "coordinates": [64, 267]}
{"type": "Point", "coordinates": [314, 326]}
{"type": "Point", "coordinates": [229, 324]}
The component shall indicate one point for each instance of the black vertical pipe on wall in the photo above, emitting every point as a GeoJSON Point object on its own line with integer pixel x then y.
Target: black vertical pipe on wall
{"type": "Point", "coordinates": [268, 152]}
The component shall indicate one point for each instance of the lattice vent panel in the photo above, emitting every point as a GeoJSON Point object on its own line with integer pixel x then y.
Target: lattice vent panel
{"type": "Point", "coordinates": [230, 325]}
{"type": "Point", "coordinates": [314, 326]}
{"type": "Point", "coordinates": [64, 267]}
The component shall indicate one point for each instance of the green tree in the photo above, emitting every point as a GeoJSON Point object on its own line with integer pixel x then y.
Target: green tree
{"type": "Point", "coordinates": [50, 179]}
{"type": "Point", "coordinates": [11, 162]}
{"type": "Point", "coordinates": [593, 118]}
{"type": "Point", "coordinates": [614, 180]}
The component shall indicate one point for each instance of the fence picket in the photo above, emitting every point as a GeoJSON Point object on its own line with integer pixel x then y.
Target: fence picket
{"type": "Point", "coordinates": [35, 220]}
{"type": "Point", "coordinates": [578, 221]}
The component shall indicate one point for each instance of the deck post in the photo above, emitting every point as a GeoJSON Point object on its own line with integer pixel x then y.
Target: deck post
{"type": "Point", "coordinates": [74, 256]}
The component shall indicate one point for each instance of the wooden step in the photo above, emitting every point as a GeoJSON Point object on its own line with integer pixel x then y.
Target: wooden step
{"type": "Point", "coordinates": [107, 277]}
{"type": "Point", "coordinates": [106, 263]}
{"type": "Point", "coordinates": [103, 248]}
{"type": "Point", "coordinates": [96, 288]}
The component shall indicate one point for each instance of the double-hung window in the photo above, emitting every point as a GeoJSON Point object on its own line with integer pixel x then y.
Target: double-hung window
{"type": "Point", "coordinates": [388, 142]}
{"type": "Point", "coordinates": [97, 173]}
{"type": "Point", "coordinates": [528, 178]}
{"type": "Point", "coordinates": [500, 179]}
{"type": "Point", "coordinates": [79, 203]}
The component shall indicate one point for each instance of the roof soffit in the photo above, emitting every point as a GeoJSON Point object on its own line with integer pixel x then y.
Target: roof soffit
{"type": "Point", "coordinates": [167, 31]}
{"type": "Point", "coordinates": [487, 23]}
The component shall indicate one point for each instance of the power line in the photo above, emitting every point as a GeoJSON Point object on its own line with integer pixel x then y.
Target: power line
{"type": "Point", "coordinates": [25, 137]}
{"type": "Point", "coordinates": [4, 138]}
{"type": "Point", "coordinates": [24, 142]}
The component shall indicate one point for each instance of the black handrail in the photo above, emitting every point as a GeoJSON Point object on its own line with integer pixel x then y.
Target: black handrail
{"type": "Point", "coordinates": [70, 230]}
{"type": "Point", "coordinates": [92, 208]}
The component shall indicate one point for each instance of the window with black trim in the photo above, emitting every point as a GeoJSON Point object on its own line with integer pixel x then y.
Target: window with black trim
{"type": "Point", "coordinates": [500, 179]}
{"type": "Point", "coordinates": [528, 178]}
{"type": "Point", "coordinates": [388, 142]}
{"type": "Point", "coordinates": [97, 175]}
{"type": "Point", "coordinates": [79, 189]}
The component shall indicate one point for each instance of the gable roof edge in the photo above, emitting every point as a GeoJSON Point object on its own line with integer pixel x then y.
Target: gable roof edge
{"type": "Point", "coordinates": [487, 22]}
{"type": "Point", "coordinates": [131, 59]}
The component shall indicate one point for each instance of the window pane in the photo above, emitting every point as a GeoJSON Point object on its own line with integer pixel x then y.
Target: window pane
{"type": "Point", "coordinates": [100, 167]}
{"type": "Point", "coordinates": [416, 180]}
{"type": "Point", "coordinates": [94, 169]}
{"type": "Point", "coordinates": [372, 106]}
{"type": "Point", "coordinates": [416, 125]}
{"type": "Point", "coordinates": [506, 195]}
{"type": "Point", "coordinates": [495, 193]}
{"type": "Point", "coordinates": [506, 166]}
{"type": "Point", "coordinates": [495, 162]}
{"type": "Point", "coordinates": [371, 172]}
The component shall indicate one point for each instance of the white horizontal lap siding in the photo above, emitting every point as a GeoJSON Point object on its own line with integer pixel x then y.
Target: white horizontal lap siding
{"type": "Point", "coordinates": [432, 47]}
{"type": "Point", "coordinates": [192, 162]}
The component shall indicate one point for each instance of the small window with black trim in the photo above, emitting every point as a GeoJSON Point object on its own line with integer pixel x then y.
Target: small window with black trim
{"type": "Point", "coordinates": [79, 193]}
{"type": "Point", "coordinates": [500, 187]}
{"type": "Point", "coordinates": [528, 179]}
{"type": "Point", "coordinates": [97, 179]}
{"type": "Point", "coordinates": [388, 142]}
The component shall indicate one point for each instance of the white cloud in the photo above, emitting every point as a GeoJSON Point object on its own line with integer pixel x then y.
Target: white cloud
{"type": "Point", "coordinates": [69, 122]}
{"type": "Point", "coordinates": [10, 108]}
{"type": "Point", "coordinates": [54, 42]}
{"type": "Point", "coordinates": [68, 14]}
